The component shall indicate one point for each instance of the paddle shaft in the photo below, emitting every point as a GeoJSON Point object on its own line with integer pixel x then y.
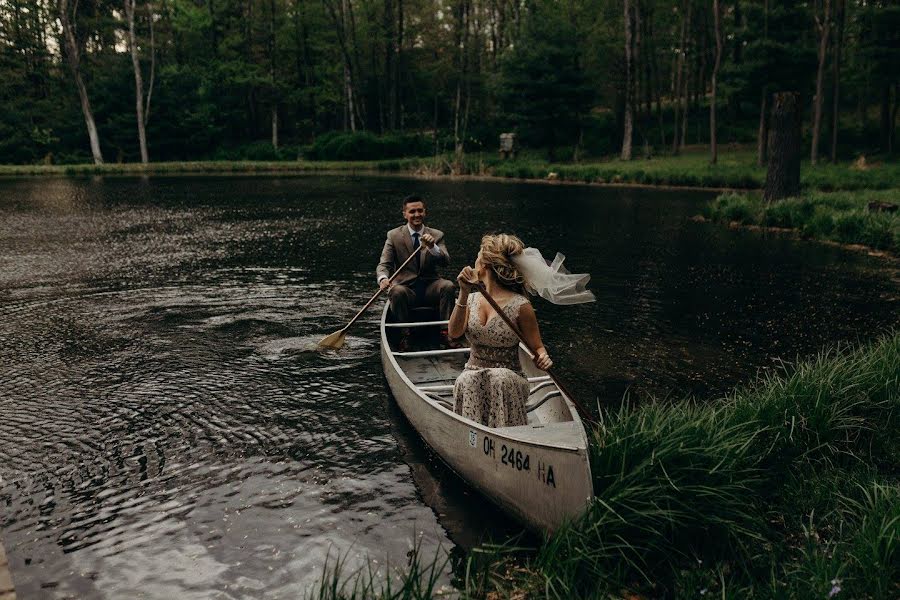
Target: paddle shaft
{"type": "Point", "coordinates": [559, 384]}
{"type": "Point", "coordinates": [381, 289]}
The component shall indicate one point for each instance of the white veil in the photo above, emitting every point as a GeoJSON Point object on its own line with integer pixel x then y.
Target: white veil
{"type": "Point", "coordinates": [552, 281]}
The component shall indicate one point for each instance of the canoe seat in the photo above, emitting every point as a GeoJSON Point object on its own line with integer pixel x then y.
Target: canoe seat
{"type": "Point", "coordinates": [541, 380]}
{"type": "Point", "coordinates": [543, 384]}
{"type": "Point", "coordinates": [535, 405]}
{"type": "Point", "coordinates": [424, 353]}
{"type": "Point", "coordinates": [417, 324]}
{"type": "Point", "coordinates": [442, 400]}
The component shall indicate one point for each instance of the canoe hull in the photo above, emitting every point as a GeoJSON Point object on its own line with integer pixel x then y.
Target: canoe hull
{"type": "Point", "coordinates": [541, 484]}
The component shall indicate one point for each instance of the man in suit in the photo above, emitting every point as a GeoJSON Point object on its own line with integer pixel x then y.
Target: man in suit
{"type": "Point", "coordinates": [419, 283]}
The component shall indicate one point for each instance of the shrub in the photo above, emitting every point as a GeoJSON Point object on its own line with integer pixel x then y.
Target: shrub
{"type": "Point", "coordinates": [740, 209]}
{"type": "Point", "coordinates": [839, 216]}
{"type": "Point", "coordinates": [849, 227]}
{"type": "Point", "coordinates": [364, 145]}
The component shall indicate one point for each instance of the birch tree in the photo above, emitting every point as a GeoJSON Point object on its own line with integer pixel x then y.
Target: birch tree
{"type": "Point", "coordinates": [138, 80]}
{"type": "Point", "coordinates": [73, 60]}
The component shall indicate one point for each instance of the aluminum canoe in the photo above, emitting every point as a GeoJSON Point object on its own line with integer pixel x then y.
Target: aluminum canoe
{"type": "Point", "coordinates": [539, 473]}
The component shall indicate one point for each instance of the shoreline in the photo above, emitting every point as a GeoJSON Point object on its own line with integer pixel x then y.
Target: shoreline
{"type": "Point", "coordinates": [839, 219]}
{"type": "Point", "coordinates": [264, 169]}
{"type": "Point", "coordinates": [797, 235]}
{"type": "Point", "coordinates": [690, 171]}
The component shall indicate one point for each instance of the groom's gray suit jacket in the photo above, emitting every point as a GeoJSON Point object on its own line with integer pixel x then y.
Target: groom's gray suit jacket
{"type": "Point", "coordinates": [398, 247]}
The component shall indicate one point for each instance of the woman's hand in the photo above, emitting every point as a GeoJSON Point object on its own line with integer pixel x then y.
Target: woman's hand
{"type": "Point", "coordinates": [467, 279]}
{"type": "Point", "coordinates": [542, 361]}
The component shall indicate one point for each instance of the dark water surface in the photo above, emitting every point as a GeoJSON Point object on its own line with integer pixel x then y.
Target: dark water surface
{"type": "Point", "coordinates": [165, 432]}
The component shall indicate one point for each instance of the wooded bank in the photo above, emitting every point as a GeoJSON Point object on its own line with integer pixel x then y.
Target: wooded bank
{"type": "Point", "coordinates": [166, 80]}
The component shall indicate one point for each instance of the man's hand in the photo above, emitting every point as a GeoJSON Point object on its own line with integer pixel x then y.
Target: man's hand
{"type": "Point", "coordinates": [428, 240]}
{"type": "Point", "coordinates": [385, 283]}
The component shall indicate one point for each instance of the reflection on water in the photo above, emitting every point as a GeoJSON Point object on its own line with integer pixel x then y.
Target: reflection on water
{"type": "Point", "coordinates": [165, 429]}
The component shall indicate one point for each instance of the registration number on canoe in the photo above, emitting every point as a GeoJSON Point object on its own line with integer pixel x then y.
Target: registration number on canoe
{"type": "Point", "coordinates": [515, 459]}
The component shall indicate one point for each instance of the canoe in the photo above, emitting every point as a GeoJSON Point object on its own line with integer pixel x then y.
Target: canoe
{"type": "Point", "coordinates": [539, 473]}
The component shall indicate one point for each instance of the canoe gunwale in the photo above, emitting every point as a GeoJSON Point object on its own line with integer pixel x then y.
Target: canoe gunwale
{"type": "Point", "coordinates": [409, 396]}
{"type": "Point", "coordinates": [494, 431]}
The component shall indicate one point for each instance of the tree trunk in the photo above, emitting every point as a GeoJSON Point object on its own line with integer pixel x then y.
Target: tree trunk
{"type": "Point", "coordinates": [823, 27]}
{"type": "Point", "coordinates": [679, 75]}
{"type": "Point", "coordinates": [885, 117]}
{"type": "Point", "coordinates": [462, 38]}
{"type": "Point", "coordinates": [348, 94]}
{"type": "Point", "coordinates": [836, 77]}
{"type": "Point", "coordinates": [389, 55]}
{"type": "Point", "coordinates": [152, 65]}
{"type": "Point", "coordinates": [273, 63]}
{"type": "Point", "coordinates": [783, 175]}
{"type": "Point", "coordinates": [629, 100]}
{"type": "Point", "coordinates": [275, 126]}
{"type": "Point", "coordinates": [762, 136]}
{"type": "Point", "coordinates": [73, 59]}
{"type": "Point", "coordinates": [339, 15]}
{"type": "Point", "coordinates": [893, 124]}
{"type": "Point", "coordinates": [355, 67]}
{"type": "Point", "coordinates": [713, 150]}
{"type": "Point", "coordinates": [686, 84]}
{"type": "Point", "coordinates": [138, 81]}
{"type": "Point", "coordinates": [397, 98]}
{"type": "Point", "coordinates": [658, 93]}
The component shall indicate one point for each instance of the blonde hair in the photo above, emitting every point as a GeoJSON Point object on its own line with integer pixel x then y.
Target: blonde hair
{"type": "Point", "coordinates": [496, 253]}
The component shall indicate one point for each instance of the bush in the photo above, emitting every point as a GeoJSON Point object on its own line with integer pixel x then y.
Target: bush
{"type": "Point", "coordinates": [735, 207]}
{"type": "Point", "coordinates": [839, 216]}
{"type": "Point", "coordinates": [256, 151]}
{"type": "Point", "coordinates": [364, 145]}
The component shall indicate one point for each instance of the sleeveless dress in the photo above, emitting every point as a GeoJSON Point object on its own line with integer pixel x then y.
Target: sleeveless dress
{"type": "Point", "coordinates": [492, 389]}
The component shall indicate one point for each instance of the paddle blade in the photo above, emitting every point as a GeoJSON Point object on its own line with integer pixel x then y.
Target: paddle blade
{"type": "Point", "coordinates": [334, 341]}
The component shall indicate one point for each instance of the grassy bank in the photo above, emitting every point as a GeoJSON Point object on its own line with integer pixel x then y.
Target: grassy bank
{"type": "Point", "coordinates": [207, 167]}
{"type": "Point", "coordinates": [788, 488]}
{"type": "Point", "coordinates": [736, 169]}
{"type": "Point", "coordinates": [837, 216]}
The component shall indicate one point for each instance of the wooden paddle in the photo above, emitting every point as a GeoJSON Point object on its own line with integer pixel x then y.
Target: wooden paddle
{"type": "Point", "coordinates": [559, 384]}
{"type": "Point", "coordinates": [336, 339]}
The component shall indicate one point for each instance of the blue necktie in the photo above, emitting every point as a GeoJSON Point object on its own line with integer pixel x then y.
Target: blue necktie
{"type": "Point", "coordinates": [416, 248]}
{"type": "Point", "coordinates": [418, 284]}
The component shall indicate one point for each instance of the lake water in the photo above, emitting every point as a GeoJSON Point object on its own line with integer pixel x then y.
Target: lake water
{"type": "Point", "coordinates": [166, 432]}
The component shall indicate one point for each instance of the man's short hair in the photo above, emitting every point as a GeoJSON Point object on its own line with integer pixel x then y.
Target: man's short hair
{"type": "Point", "coordinates": [412, 198]}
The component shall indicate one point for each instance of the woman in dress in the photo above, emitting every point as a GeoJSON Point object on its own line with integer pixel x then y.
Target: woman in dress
{"type": "Point", "coordinates": [492, 389]}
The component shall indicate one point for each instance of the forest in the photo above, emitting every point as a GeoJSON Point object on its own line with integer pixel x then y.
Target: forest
{"type": "Point", "coordinates": [173, 80]}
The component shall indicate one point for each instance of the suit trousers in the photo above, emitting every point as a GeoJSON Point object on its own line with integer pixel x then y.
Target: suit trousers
{"type": "Point", "coordinates": [439, 293]}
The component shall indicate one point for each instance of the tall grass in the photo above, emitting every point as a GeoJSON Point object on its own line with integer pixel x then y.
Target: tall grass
{"type": "Point", "coordinates": [787, 488]}
{"type": "Point", "coordinates": [419, 579]}
{"type": "Point", "coordinates": [838, 216]}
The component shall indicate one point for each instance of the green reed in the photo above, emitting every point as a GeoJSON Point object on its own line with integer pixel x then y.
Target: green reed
{"type": "Point", "coordinates": [787, 488]}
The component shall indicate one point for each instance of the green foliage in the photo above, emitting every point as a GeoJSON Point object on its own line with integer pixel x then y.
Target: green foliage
{"type": "Point", "coordinates": [839, 216]}
{"type": "Point", "coordinates": [543, 88]}
{"type": "Point", "coordinates": [554, 72]}
{"type": "Point", "coordinates": [418, 580]}
{"type": "Point", "coordinates": [366, 146]}
{"type": "Point", "coordinates": [783, 489]}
